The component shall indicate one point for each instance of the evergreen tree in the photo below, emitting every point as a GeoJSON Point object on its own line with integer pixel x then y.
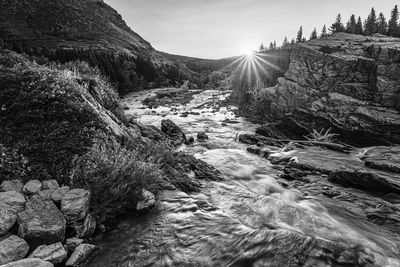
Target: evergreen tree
{"type": "Point", "coordinates": [351, 25]}
{"type": "Point", "coordinates": [393, 27]}
{"type": "Point", "coordinates": [359, 26]}
{"type": "Point", "coordinates": [271, 46]}
{"type": "Point", "coordinates": [382, 24]}
{"type": "Point", "coordinates": [299, 38]}
{"type": "Point", "coordinates": [371, 25]}
{"type": "Point", "coordinates": [323, 32]}
{"type": "Point", "coordinates": [275, 47]}
{"type": "Point", "coordinates": [261, 47]}
{"type": "Point", "coordinates": [285, 42]}
{"type": "Point", "coordinates": [338, 25]}
{"type": "Point", "coordinates": [314, 34]}
{"type": "Point", "coordinates": [293, 41]}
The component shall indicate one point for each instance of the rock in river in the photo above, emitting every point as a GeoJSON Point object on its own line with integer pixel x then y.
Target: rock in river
{"type": "Point", "coordinates": [12, 248]}
{"type": "Point", "coordinates": [173, 131]}
{"type": "Point", "coordinates": [41, 222]}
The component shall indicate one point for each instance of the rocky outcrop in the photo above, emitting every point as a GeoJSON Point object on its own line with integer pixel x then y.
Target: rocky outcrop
{"type": "Point", "coordinates": [349, 83]}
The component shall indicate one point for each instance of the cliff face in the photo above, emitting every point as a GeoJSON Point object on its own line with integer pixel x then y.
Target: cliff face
{"type": "Point", "coordinates": [350, 83]}
{"type": "Point", "coordinates": [86, 30]}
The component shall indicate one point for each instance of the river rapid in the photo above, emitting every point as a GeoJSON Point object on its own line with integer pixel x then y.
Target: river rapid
{"type": "Point", "coordinates": [254, 217]}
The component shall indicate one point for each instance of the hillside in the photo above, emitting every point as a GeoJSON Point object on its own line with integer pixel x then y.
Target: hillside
{"type": "Point", "coordinates": [86, 30]}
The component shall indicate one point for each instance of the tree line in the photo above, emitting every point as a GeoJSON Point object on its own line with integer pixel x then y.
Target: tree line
{"type": "Point", "coordinates": [372, 25]}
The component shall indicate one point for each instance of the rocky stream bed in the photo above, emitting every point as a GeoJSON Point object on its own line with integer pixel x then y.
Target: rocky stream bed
{"type": "Point", "coordinates": [276, 206]}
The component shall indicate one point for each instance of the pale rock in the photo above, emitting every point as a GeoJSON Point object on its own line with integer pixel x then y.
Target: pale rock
{"type": "Point", "coordinates": [86, 228]}
{"type": "Point", "coordinates": [72, 243]}
{"type": "Point", "coordinates": [12, 248]}
{"type": "Point", "coordinates": [59, 193]}
{"type": "Point", "coordinates": [7, 220]}
{"type": "Point", "coordinates": [147, 202]}
{"type": "Point", "coordinates": [50, 184]}
{"type": "Point", "coordinates": [12, 200]}
{"type": "Point", "coordinates": [54, 253]}
{"type": "Point", "coordinates": [82, 255]}
{"type": "Point", "coordinates": [29, 262]}
{"type": "Point", "coordinates": [11, 185]}
{"type": "Point", "coordinates": [32, 187]}
{"type": "Point", "coordinates": [75, 205]}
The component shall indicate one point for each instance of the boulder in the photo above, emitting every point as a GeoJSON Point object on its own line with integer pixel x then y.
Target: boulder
{"type": "Point", "coordinates": [82, 255]}
{"type": "Point", "coordinates": [59, 193]}
{"type": "Point", "coordinates": [12, 200]}
{"type": "Point", "coordinates": [11, 185]}
{"type": "Point", "coordinates": [72, 243]}
{"type": "Point", "coordinates": [29, 263]}
{"type": "Point", "coordinates": [7, 220]}
{"type": "Point", "coordinates": [202, 136]}
{"type": "Point", "coordinates": [54, 253]}
{"type": "Point", "coordinates": [148, 201]}
{"type": "Point", "coordinates": [173, 131]}
{"type": "Point", "coordinates": [75, 204]}
{"type": "Point", "coordinates": [50, 184]}
{"type": "Point", "coordinates": [41, 222]}
{"type": "Point", "coordinates": [189, 140]}
{"type": "Point", "coordinates": [46, 194]}
{"type": "Point", "coordinates": [32, 187]}
{"type": "Point", "coordinates": [12, 248]}
{"type": "Point", "coordinates": [85, 228]}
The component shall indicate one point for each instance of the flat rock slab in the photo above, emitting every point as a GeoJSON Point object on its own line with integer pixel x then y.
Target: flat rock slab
{"type": "Point", "coordinates": [11, 185]}
{"type": "Point", "coordinates": [7, 220]}
{"type": "Point", "coordinates": [82, 255]}
{"type": "Point", "coordinates": [12, 248]}
{"type": "Point", "coordinates": [75, 205]}
{"type": "Point", "coordinates": [54, 253]}
{"type": "Point", "coordinates": [41, 222]}
{"type": "Point", "coordinates": [29, 263]}
{"type": "Point", "coordinates": [12, 200]}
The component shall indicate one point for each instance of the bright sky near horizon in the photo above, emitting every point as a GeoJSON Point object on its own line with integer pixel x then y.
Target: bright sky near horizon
{"type": "Point", "coordinates": [223, 28]}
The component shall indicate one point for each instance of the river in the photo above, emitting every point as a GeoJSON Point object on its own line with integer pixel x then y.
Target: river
{"type": "Point", "coordinates": [254, 218]}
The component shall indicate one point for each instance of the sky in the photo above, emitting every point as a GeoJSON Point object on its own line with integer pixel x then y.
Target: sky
{"type": "Point", "coordinates": [224, 28]}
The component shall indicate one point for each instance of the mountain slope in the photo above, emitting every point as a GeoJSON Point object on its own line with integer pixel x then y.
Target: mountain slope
{"type": "Point", "coordinates": [89, 30]}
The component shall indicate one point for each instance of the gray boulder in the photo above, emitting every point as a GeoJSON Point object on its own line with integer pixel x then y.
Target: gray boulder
{"type": "Point", "coordinates": [12, 200]}
{"type": "Point", "coordinates": [54, 253]}
{"type": "Point", "coordinates": [12, 248]}
{"type": "Point", "coordinates": [11, 185]}
{"type": "Point", "coordinates": [82, 255]}
{"type": "Point", "coordinates": [59, 193]}
{"type": "Point", "coordinates": [46, 194]}
{"type": "Point", "coordinates": [41, 222]}
{"type": "Point", "coordinates": [87, 227]}
{"type": "Point", "coordinates": [7, 220]}
{"type": "Point", "coordinates": [173, 131]}
{"type": "Point", "coordinates": [147, 202]}
{"type": "Point", "coordinates": [32, 187]}
{"type": "Point", "coordinates": [75, 205]}
{"type": "Point", "coordinates": [72, 243]}
{"type": "Point", "coordinates": [29, 263]}
{"type": "Point", "coordinates": [50, 184]}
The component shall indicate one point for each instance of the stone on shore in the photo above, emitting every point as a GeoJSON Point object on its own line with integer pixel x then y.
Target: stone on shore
{"type": "Point", "coordinates": [32, 187]}
{"type": "Point", "coordinates": [59, 193]}
{"type": "Point", "coordinates": [72, 243]}
{"type": "Point", "coordinates": [86, 228]}
{"type": "Point", "coordinates": [29, 262]}
{"type": "Point", "coordinates": [11, 185]}
{"type": "Point", "coordinates": [54, 253]}
{"type": "Point", "coordinates": [82, 255]}
{"type": "Point", "coordinates": [202, 136]}
{"type": "Point", "coordinates": [41, 222]}
{"type": "Point", "coordinates": [147, 202]}
{"type": "Point", "coordinates": [12, 200]}
{"type": "Point", "coordinates": [75, 205]}
{"type": "Point", "coordinates": [7, 220]}
{"type": "Point", "coordinates": [12, 248]}
{"type": "Point", "coordinates": [50, 184]}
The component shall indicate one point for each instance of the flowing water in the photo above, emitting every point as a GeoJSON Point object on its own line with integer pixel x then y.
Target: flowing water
{"type": "Point", "coordinates": [254, 218]}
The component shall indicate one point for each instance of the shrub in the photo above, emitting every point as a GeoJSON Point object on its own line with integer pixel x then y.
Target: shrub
{"type": "Point", "coordinates": [13, 165]}
{"type": "Point", "coordinates": [117, 175]}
